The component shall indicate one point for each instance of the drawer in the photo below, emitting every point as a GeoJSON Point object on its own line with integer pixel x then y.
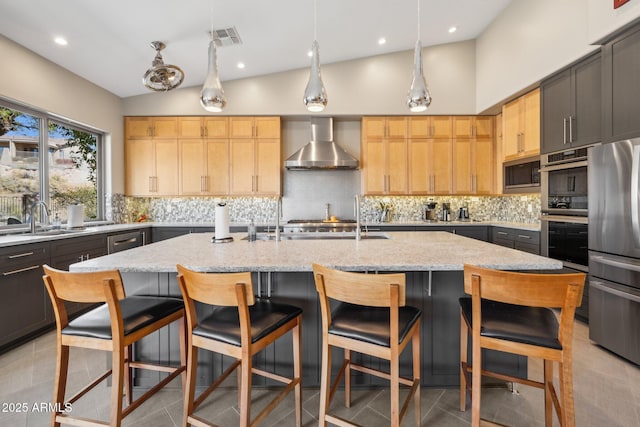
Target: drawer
{"type": "Point", "coordinates": [500, 233]}
{"type": "Point", "coordinates": [527, 236]}
{"type": "Point", "coordinates": [14, 256]}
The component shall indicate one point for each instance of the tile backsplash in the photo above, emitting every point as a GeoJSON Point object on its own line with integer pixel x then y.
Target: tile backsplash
{"type": "Point", "coordinates": [512, 208]}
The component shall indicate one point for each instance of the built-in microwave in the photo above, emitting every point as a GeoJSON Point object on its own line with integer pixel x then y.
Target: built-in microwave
{"type": "Point", "coordinates": [522, 176]}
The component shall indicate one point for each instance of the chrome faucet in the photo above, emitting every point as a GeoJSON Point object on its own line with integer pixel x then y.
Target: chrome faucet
{"type": "Point", "coordinates": [278, 215]}
{"type": "Point", "coordinates": [32, 219]}
{"type": "Point", "coordinates": [327, 213]}
{"type": "Point", "coordinates": [357, 208]}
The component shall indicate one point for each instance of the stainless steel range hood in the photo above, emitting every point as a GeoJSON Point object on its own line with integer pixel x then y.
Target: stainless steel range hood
{"type": "Point", "coordinates": [322, 152]}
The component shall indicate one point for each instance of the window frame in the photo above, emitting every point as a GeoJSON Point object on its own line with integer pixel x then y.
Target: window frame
{"type": "Point", "coordinates": [43, 151]}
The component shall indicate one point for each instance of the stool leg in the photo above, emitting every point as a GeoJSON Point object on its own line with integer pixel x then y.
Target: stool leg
{"type": "Point", "coordinates": [297, 370]}
{"type": "Point", "coordinates": [325, 382]}
{"type": "Point", "coordinates": [476, 383]}
{"type": "Point", "coordinates": [566, 391]}
{"type": "Point", "coordinates": [548, 403]}
{"type": "Point", "coordinates": [464, 337]}
{"type": "Point", "coordinates": [117, 377]}
{"type": "Point", "coordinates": [60, 380]}
{"type": "Point", "coordinates": [128, 378]}
{"type": "Point", "coordinates": [182, 336]}
{"type": "Point", "coordinates": [395, 388]}
{"type": "Point", "coordinates": [189, 396]}
{"type": "Point", "coordinates": [245, 393]}
{"type": "Point", "coordinates": [347, 378]}
{"type": "Point", "coordinates": [415, 348]}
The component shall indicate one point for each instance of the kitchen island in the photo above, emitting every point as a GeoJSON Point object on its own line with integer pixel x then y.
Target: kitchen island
{"type": "Point", "coordinates": [281, 270]}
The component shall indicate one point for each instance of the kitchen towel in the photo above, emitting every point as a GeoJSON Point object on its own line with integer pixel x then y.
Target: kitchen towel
{"type": "Point", "coordinates": [222, 221]}
{"type": "Point", "coordinates": [75, 216]}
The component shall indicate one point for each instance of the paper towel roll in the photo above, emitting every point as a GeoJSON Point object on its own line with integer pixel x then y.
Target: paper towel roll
{"type": "Point", "coordinates": [75, 216]}
{"type": "Point", "coordinates": [222, 221]}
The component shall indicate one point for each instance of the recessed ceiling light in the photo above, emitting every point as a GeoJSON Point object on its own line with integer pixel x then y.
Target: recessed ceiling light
{"type": "Point", "coordinates": [61, 41]}
{"type": "Point", "coordinates": [382, 41]}
{"type": "Point", "coordinates": [240, 65]}
{"type": "Point", "coordinates": [309, 54]}
{"type": "Point", "coordinates": [453, 29]}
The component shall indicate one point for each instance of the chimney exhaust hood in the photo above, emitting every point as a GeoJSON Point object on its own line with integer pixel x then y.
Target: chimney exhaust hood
{"type": "Point", "coordinates": [322, 152]}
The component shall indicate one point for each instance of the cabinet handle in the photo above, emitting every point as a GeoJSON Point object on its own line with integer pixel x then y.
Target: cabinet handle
{"type": "Point", "coordinates": [149, 131]}
{"type": "Point", "coordinates": [256, 183]}
{"type": "Point", "coordinates": [433, 183]}
{"type": "Point", "coordinates": [502, 233]}
{"type": "Point", "coordinates": [432, 131]}
{"type": "Point", "coordinates": [570, 128]}
{"type": "Point", "coordinates": [21, 270]}
{"type": "Point", "coordinates": [150, 184]}
{"type": "Point", "coordinates": [81, 258]}
{"type": "Point", "coordinates": [564, 130]}
{"type": "Point", "coordinates": [20, 255]}
{"type": "Point", "coordinates": [522, 236]}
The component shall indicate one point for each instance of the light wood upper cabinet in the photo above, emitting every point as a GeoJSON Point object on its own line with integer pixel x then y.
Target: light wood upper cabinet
{"type": "Point", "coordinates": [151, 127]}
{"type": "Point", "coordinates": [521, 127]}
{"type": "Point", "coordinates": [151, 167]}
{"type": "Point", "coordinates": [254, 127]}
{"type": "Point", "coordinates": [204, 166]}
{"type": "Point", "coordinates": [384, 155]}
{"type": "Point", "coordinates": [465, 127]}
{"type": "Point", "coordinates": [255, 166]}
{"type": "Point", "coordinates": [473, 166]}
{"type": "Point", "coordinates": [203, 127]}
{"type": "Point", "coordinates": [498, 156]}
{"type": "Point", "coordinates": [432, 127]}
{"type": "Point", "coordinates": [430, 166]}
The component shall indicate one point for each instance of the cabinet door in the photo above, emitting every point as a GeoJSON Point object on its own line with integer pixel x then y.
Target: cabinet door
{"type": "Point", "coordinates": [192, 166]}
{"type": "Point", "coordinates": [419, 172]}
{"type": "Point", "coordinates": [374, 127]}
{"type": "Point", "coordinates": [267, 127]}
{"type": "Point", "coordinates": [462, 166]}
{"type": "Point", "coordinates": [462, 127]}
{"type": "Point", "coordinates": [483, 127]}
{"type": "Point", "coordinates": [216, 127]}
{"type": "Point", "coordinates": [483, 166]}
{"type": "Point", "coordinates": [420, 127]}
{"type": "Point", "coordinates": [165, 127]}
{"type": "Point", "coordinates": [530, 144]}
{"type": "Point", "coordinates": [396, 127]}
{"type": "Point", "coordinates": [441, 127]}
{"type": "Point", "coordinates": [587, 101]}
{"type": "Point", "coordinates": [241, 127]}
{"type": "Point", "coordinates": [166, 157]}
{"type": "Point", "coordinates": [217, 173]}
{"type": "Point", "coordinates": [623, 58]}
{"type": "Point", "coordinates": [137, 127]}
{"type": "Point", "coordinates": [511, 114]}
{"type": "Point", "coordinates": [139, 167]}
{"type": "Point", "coordinates": [267, 166]}
{"type": "Point", "coordinates": [242, 166]}
{"type": "Point", "coordinates": [373, 167]}
{"type": "Point", "coordinates": [441, 166]}
{"type": "Point", "coordinates": [397, 166]}
{"type": "Point", "coordinates": [556, 108]}
{"type": "Point", "coordinates": [190, 127]}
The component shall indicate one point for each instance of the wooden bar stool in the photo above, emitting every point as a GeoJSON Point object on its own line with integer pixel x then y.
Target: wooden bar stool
{"type": "Point", "coordinates": [240, 326]}
{"type": "Point", "coordinates": [511, 312]}
{"type": "Point", "coordinates": [113, 326]}
{"type": "Point", "coordinates": [371, 318]}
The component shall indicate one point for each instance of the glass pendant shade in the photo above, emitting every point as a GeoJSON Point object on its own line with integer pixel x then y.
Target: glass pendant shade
{"type": "Point", "coordinates": [212, 96]}
{"type": "Point", "coordinates": [315, 97]}
{"type": "Point", "coordinates": [419, 97]}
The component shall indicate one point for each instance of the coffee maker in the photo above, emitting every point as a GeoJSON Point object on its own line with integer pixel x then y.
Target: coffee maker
{"type": "Point", "coordinates": [463, 214]}
{"type": "Point", "coordinates": [429, 211]}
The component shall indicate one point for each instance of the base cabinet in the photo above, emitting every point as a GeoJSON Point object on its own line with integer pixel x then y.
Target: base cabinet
{"type": "Point", "coordinates": [25, 307]}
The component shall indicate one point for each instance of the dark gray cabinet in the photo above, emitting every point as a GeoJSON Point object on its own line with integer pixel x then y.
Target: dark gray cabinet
{"type": "Point", "coordinates": [522, 240]}
{"type": "Point", "coordinates": [478, 232]}
{"type": "Point", "coordinates": [621, 77]}
{"type": "Point", "coordinates": [164, 233]}
{"type": "Point", "coordinates": [24, 303]}
{"type": "Point", "coordinates": [571, 103]}
{"type": "Point", "coordinates": [65, 252]}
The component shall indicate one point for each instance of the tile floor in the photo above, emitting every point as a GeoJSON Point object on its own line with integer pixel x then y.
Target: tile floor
{"type": "Point", "coordinates": [607, 393]}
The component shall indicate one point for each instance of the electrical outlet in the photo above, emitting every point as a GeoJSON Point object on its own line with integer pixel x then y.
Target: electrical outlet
{"type": "Point", "coordinates": [529, 207]}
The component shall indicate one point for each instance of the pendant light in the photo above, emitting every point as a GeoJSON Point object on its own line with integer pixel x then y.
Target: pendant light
{"type": "Point", "coordinates": [419, 97]}
{"type": "Point", "coordinates": [212, 96]}
{"type": "Point", "coordinates": [315, 96]}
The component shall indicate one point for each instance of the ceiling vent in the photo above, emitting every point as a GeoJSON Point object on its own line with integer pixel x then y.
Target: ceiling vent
{"type": "Point", "coordinates": [226, 37]}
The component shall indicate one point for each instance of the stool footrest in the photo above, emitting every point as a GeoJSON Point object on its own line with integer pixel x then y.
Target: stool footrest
{"type": "Point", "coordinates": [79, 421]}
{"type": "Point", "coordinates": [140, 400]}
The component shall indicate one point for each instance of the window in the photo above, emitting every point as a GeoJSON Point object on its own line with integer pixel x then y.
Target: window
{"type": "Point", "coordinates": [60, 166]}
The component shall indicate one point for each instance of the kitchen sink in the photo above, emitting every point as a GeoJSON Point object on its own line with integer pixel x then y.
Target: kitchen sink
{"type": "Point", "coordinates": [57, 231]}
{"type": "Point", "coordinates": [319, 236]}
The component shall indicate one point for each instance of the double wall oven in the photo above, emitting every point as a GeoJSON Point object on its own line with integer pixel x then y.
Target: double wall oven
{"type": "Point", "coordinates": [565, 214]}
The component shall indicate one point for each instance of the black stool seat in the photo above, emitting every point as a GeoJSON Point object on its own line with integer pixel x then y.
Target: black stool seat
{"type": "Point", "coordinates": [528, 325]}
{"type": "Point", "coordinates": [266, 317]}
{"type": "Point", "coordinates": [371, 324]}
{"type": "Point", "coordinates": [137, 312]}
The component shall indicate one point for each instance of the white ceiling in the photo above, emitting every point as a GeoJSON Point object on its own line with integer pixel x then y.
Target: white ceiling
{"type": "Point", "coordinates": [109, 40]}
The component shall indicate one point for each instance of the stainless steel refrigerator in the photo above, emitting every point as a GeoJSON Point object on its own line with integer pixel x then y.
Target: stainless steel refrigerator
{"type": "Point", "coordinates": [614, 247]}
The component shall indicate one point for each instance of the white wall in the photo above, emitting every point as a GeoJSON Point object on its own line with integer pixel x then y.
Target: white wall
{"type": "Point", "coordinates": [369, 86]}
{"type": "Point", "coordinates": [531, 40]}
{"type": "Point", "coordinates": [34, 81]}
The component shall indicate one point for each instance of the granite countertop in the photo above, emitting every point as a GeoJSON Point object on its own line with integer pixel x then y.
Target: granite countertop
{"type": "Point", "coordinates": [403, 251]}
